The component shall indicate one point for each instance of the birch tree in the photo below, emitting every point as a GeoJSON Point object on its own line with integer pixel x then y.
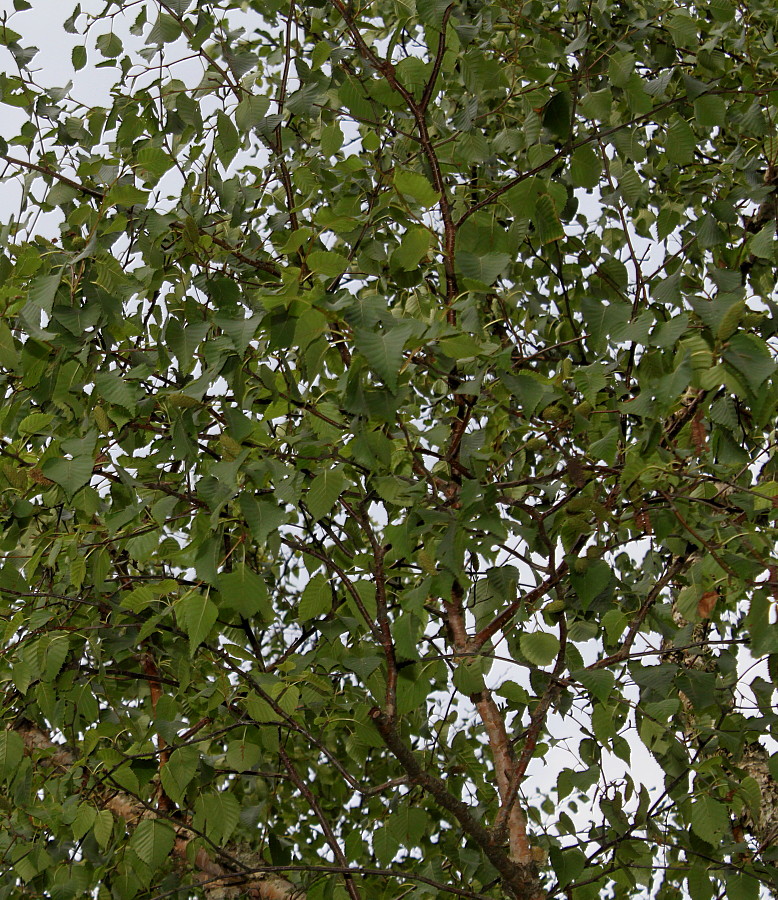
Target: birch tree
{"type": "Point", "coordinates": [388, 472]}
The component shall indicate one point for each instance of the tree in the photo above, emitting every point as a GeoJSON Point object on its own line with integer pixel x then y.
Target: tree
{"type": "Point", "coordinates": [388, 452]}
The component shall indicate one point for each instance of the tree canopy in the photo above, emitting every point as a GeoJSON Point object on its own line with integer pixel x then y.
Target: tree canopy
{"type": "Point", "coordinates": [388, 474]}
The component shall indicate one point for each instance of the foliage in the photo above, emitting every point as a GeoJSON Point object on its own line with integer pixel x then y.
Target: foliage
{"type": "Point", "coordinates": [388, 456]}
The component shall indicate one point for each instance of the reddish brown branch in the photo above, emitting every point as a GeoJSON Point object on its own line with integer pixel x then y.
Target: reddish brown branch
{"type": "Point", "coordinates": [438, 62]}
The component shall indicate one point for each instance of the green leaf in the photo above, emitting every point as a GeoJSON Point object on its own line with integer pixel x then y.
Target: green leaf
{"type": "Point", "coordinates": [585, 167]}
{"type": "Point", "coordinates": [70, 474]}
{"type": "Point", "coordinates": [251, 111]}
{"type": "Point", "coordinates": [331, 140]}
{"type": "Point", "coordinates": [680, 143]}
{"type": "Point", "coordinates": [323, 492]}
{"type": "Point", "coordinates": [749, 356]}
{"type": "Point", "coordinates": [78, 57]}
{"type": "Point", "coordinates": [762, 244]}
{"type": "Point", "coordinates": [112, 387]}
{"type": "Point", "coordinates": [568, 864]}
{"type": "Point", "coordinates": [178, 772]}
{"type": "Point", "coordinates": [263, 517]}
{"type": "Point", "coordinates": [245, 592]}
{"type": "Point", "coordinates": [413, 248]}
{"type": "Point", "coordinates": [126, 195]}
{"type": "Point", "coordinates": [43, 290]}
{"type": "Point", "coordinates": [35, 423]}
{"type": "Point", "coordinates": [243, 755]}
{"type": "Point", "coordinates": [327, 262]}
{"type": "Point", "coordinates": [103, 827]}
{"type": "Point", "coordinates": [110, 45]}
{"type": "Point", "coordinates": [227, 137]}
{"type": "Point", "coordinates": [598, 682]}
{"type": "Point", "coordinates": [546, 220]}
{"type": "Point", "coordinates": [539, 647]}
{"type": "Point", "coordinates": [316, 599]}
{"type": "Point", "coordinates": [84, 820]}
{"type": "Point", "coordinates": [9, 355]}
{"type": "Point", "coordinates": [217, 814]}
{"type": "Point", "coordinates": [710, 111]}
{"type": "Point", "coordinates": [709, 819]}
{"type": "Point", "coordinates": [11, 751]}
{"type": "Point", "coordinates": [592, 582]}
{"type": "Point", "coordinates": [196, 614]}
{"type": "Point", "coordinates": [383, 351]}
{"type": "Point", "coordinates": [153, 841]}
{"type": "Point", "coordinates": [416, 187]}
{"type": "Point", "coordinates": [484, 268]}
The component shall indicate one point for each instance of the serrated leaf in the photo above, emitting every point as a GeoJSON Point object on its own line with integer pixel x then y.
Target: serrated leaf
{"type": "Point", "coordinates": [178, 772]}
{"type": "Point", "coordinates": [56, 653]}
{"type": "Point", "coordinates": [383, 351]}
{"type": "Point", "coordinates": [227, 137]}
{"type": "Point", "coordinates": [331, 139]}
{"type": "Point", "coordinates": [35, 423]}
{"type": "Point", "coordinates": [78, 57]}
{"type": "Point", "coordinates": [115, 389]}
{"type": "Point", "coordinates": [414, 246]}
{"type": "Point", "coordinates": [539, 647]}
{"type": "Point", "coordinates": [416, 187]}
{"type": "Point", "coordinates": [546, 220]}
{"type": "Point", "coordinates": [43, 290]}
{"type": "Point", "coordinates": [84, 820]}
{"type": "Point", "coordinates": [592, 582]}
{"type": "Point", "coordinates": [217, 814]}
{"type": "Point", "coordinates": [153, 840]}
{"type": "Point", "coordinates": [585, 167]}
{"type": "Point", "coordinates": [710, 111]}
{"type": "Point", "coordinates": [11, 752]}
{"type": "Point", "coordinates": [324, 492]}
{"type": "Point", "coordinates": [597, 681]}
{"type": "Point", "coordinates": [762, 244]}
{"type": "Point", "coordinates": [70, 474]}
{"type": "Point", "coordinates": [326, 262]}
{"type": "Point", "coordinates": [710, 819]}
{"type": "Point", "coordinates": [262, 516]}
{"type": "Point", "coordinates": [385, 845]}
{"type": "Point", "coordinates": [316, 599]}
{"type": "Point", "coordinates": [196, 614]}
{"type": "Point", "coordinates": [483, 267]}
{"type": "Point", "coordinates": [749, 355]}
{"type": "Point", "coordinates": [244, 591]}
{"type": "Point", "coordinates": [680, 142]}
{"type": "Point", "coordinates": [243, 755]}
{"type": "Point", "coordinates": [126, 195]}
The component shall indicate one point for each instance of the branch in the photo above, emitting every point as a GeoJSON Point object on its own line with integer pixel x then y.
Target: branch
{"type": "Point", "coordinates": [511, 609]}
{"type": "Point", "coordinates": [531, 737]}
{"type": "Point", "coordinates": [520, 879]}
{"type": "Point", "coordinates": [674, 569]}
{"type": "Point", "coordinates": [332, 839]}
{"type": "Point", "coordinates": [51, 173]}
{"type": "Point", "coordinates": [430, 86]}
{"type": "Point", "coordinates": [386, 68]}
{"type": "Point", "coordinates": [510, 813]}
